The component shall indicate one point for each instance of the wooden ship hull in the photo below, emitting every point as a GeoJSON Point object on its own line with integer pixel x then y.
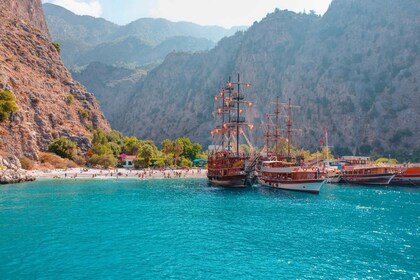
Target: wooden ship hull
{"type": "Point", "coordinates": [234, 181]}
{"type": "Point", "coordinates": [292, 178]}
{"type": "Point", "coordinates": [226, 171]}
{"type": "Point", "coordinates": [368, 175]}
{"type": "Point", "coordinates": [310, 186]}
{"type": "Point", "coordinates": [377, 179]}
{"type": "Point", "coordinates": [409, 177]}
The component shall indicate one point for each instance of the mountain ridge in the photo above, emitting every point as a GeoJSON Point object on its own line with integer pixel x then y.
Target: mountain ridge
{"type": "Point", "coordinates": [83, 37]}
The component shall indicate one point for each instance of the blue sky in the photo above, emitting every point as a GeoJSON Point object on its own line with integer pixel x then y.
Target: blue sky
{"type": "Point", "coordinates": [225, 13]}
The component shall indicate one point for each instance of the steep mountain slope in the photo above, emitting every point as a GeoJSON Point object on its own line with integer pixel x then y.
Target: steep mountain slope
{"type": "Point", "coordinates": [354, 71]}
{"type": "Point", "coordinates": [76, 34]}
{"type": "Point", "coordinates": [26, 11]}
{"type": "Point", "coordinates": [360, 64]}
{"type": "Point", "coordinates": [131, 51]}
{"type": "Point", "coordinates": [85, 39]}
{"type": "Point", "coordinates": [51, 104]}
{"type": "Point", "coordinates": [112, 86]}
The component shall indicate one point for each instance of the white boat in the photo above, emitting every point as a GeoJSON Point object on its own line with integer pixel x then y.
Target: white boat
{"type": "Point", "coordinates": [281, 175]}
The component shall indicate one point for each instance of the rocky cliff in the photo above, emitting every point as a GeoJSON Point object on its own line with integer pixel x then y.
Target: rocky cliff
{"type": "Point", "coordinates": [354, 71]}
{"type": "Point", "coordinates": [111, 86]}
{"type": "Point", "coordinates": [11, 171]}
{"type": "Point", "coordinates": [28, 11]}
{"type": "Point", "coordinates": [51, 104]}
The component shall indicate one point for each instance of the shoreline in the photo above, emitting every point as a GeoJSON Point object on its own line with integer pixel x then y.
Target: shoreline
{"type": "Point", "coordinates": [118, 173]}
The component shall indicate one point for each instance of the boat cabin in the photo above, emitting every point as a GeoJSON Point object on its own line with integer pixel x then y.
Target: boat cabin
{"type": "Point", "coordinates": [356, 160]}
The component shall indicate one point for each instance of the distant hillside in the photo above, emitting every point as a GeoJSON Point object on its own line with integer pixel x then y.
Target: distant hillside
{"type": "Point", "coordinates": [85, 39]}
{"type": "Point", "coordinates": [354, 71]}
{"type": "Point", "coordinates": [76, 34]}
{"type": "Point", "coordinates": [155, 31]}
{"type": "Point", "coordinates": [132, 52]}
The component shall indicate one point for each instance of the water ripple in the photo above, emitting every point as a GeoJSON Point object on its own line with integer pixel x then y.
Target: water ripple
{"type": "Point", "coordinates": [184, 229]}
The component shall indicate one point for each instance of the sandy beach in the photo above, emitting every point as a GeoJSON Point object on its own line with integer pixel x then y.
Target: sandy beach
{"type": "Point", "coordinates": [120, 173]}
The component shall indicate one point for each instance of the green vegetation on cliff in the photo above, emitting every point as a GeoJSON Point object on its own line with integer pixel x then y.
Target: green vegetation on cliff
{"type": "Point", "coordinates": [7, 105]}
{"type": "Point", "coordinates": [63, 147]}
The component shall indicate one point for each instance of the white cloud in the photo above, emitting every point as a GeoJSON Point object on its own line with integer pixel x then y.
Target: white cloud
{"type": "Point", "coordinates": [90, 8]}
{"type": "Point", "coordinates": [229, 12]}
{"type": "Point", "coordinates": [225, 13]}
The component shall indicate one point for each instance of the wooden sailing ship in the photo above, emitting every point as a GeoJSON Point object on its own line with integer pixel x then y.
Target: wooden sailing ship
{"type": "Point", "coordinates": [282, 171]}
{"type": "Point", "coordinates": [227, 159]}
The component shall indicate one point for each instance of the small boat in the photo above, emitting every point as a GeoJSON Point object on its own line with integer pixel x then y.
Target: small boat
{"type": "Point", "coordinates": [282, 175]}
{"type": "Point", "coordinates": [409, 176]}
{"type": "Point", "coordinates": [226, 159]}
{"type": "Point", "coordinates": [368, 174]}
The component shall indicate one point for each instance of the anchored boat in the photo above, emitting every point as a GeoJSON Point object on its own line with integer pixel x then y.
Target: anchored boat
{"type": "Point", "coordinates": [285, 172]}
{"type": "Point", "coordinates": [282, 175]}
{"type": "Point", "coordinates": [368, 175]}
{"type": "Point", "coordinates": [409, 176]}
{"type": "Point", "coordinates": [227, 159]}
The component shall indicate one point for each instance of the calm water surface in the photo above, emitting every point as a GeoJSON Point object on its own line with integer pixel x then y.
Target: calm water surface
{"type": "Point", "coordinates": [183, 229]}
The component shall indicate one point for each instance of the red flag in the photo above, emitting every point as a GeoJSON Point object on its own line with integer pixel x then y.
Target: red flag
{"type": "Point", "coordinates": [321, 141]}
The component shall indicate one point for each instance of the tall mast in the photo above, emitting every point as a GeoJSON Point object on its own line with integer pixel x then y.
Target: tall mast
{"type": "Point", "coordinates": [273, 131]}
{"type": "Point", "coordinates": [237, 119]}
{"type": "Point", "coordinates": [232, 122]}
{"type": "Point", "coordinates": [229, 119]}
{"type": "Point", "coordinates": [326, 140]}
{"type": "Point", "coordinates": [277, 127]}
{"type": "Point", "coordinates": [267, 134]}
{"type": "Point", "coordinates": [223, 117]}
{"type": "Point", "coordinates": [289, 128]}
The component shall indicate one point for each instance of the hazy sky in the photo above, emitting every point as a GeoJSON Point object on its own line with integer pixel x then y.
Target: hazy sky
{"type": "Point", "coordinates": [225, 13]}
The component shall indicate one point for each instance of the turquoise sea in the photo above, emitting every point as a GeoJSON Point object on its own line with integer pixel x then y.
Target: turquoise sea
{"type": "Point", "coordinates": [184, 229]}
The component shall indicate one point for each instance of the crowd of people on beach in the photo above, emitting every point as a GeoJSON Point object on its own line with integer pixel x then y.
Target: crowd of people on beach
{"type": "Point", "coordinates": [117, 173]}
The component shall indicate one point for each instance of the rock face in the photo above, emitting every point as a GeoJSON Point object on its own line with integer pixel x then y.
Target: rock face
{"type": "Point", "coordinates": [11, 171]}
{"type": "Point", "coordinates": [51, 104]}
{"type": "Point", "coordinates": [29, 11]}
{"type": "Point", "coordinates": [111, 85]}
{"type": "Point", "coordinates": [354, 71]}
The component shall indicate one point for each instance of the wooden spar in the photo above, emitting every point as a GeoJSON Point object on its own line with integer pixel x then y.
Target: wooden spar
{"type": "Point", "coordinates": [231, 109]}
